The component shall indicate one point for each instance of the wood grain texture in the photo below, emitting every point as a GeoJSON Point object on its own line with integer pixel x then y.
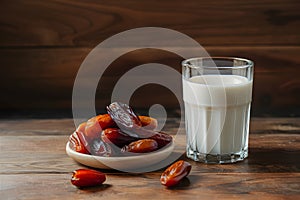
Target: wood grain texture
{"type": "Point", "coordinates": [36, 146]}
{"type": "Point", "coordinates": [86, 23]}
{"type": "Point", "coordinates": [34, 165]}
{"type": "Point", "coordinates": [43, 43]}
{"type": "Point", "coordinates": [43, 78]}
{"type": "Point", "coordinates": [197, 186]}
{"type": "Point", "coordinates": [46, 154]}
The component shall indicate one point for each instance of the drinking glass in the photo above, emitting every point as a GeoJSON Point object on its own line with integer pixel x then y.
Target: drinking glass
{"type": "Point", "coordinates": [217, 93]}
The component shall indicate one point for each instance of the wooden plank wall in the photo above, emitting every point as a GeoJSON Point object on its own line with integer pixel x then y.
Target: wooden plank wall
{"type": "Point", "coordinates": [42, 44]}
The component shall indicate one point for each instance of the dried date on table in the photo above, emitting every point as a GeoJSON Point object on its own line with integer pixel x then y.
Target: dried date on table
{"type": "Point", "coordinates": [87, 178]}
{"type": "Point", "coordinates": [175, 173]}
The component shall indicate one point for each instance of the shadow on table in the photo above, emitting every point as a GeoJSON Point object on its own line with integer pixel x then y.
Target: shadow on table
{"type": "Point", "coordinates": [273, 160]}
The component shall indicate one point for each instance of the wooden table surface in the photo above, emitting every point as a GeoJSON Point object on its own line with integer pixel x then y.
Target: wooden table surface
{"type": "Point", "coordinates": [34, 165]}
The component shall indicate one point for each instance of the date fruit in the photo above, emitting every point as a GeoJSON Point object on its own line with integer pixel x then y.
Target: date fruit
{"type": "Point", "coordinates": [100, 135]}
{"type": "Point", "coordinates": [125, 118]}
{"type": "Point", "coordinates": [87, 178]}
{"type": "Point", "coordinates": [78, 143]}
{"type": "Point", "coordinates": [141, 146]}
{"type": "Point", "coordinates": [175, 173]}
{"type": "Point", "coordinates": [161, 138]}
{"type": "Point", "coordinates": [100, 148]}
{"type": "Point", "coordinates": [116, 136]}
{"type": "Point", "coordinates": [95, 125]}
{"type": "Point", "coordinates": [81, 127]}
{"type": "Point", "coordinates": [148, 122]}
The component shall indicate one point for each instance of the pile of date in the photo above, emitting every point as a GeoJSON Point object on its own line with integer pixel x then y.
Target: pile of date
{"type": "Point", "coordinates": [121, 133]}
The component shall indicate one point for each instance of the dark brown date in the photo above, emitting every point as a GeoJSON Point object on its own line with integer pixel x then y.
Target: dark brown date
{"type": "Point", "coordinates": [125, 118]}
{"type": "Point", "coordinates": [175, 173]}
{"type": "Point", "coordinates": [162, 139]}
{"type": "Point", "coordinates": [141, 146]}
{"type": "Point", "coordinates": [87, 178]}
{"type": "Point", "coordinates": [119, 138]}
{"type": "Point", "coordinates": [116, 136]}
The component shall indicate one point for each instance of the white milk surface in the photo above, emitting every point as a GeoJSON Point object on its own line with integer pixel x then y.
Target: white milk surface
{"type": "Point", "coordinates": [217, 111]}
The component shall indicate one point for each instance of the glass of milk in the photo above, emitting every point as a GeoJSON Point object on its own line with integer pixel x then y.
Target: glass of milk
{"type": "Point", "coordinates": [217, 94]}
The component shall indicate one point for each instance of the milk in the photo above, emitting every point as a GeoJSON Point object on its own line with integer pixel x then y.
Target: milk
{"type": "Point", "coordinates": [217, 111]}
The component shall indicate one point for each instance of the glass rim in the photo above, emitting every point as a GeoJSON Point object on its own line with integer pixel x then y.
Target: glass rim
{"type": "Point", "coordinates": [248, 63]}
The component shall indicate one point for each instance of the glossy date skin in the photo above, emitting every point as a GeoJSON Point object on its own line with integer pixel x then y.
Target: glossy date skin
{"type": "Point", "coordinates": [104, 146]}
{"type": "Point", "coordinates": [95, 125]}
{"type": "Point", "coordinates": [161, 138]}
{"type": "Point", "coordinates": [116, 136]}
{"type": "Point", "coordinates": [81, 127]}
{"type": "Point", "coordinates": [87, 178]}
{"type": "Point", "coordinates": [78, 143]}
{"type": "Point", "coordinates": [148, 122]}
{"type": "Point", "coordinates": [96, 147]}
{"type": "Point", "coordinates": [125, 118]}
{"type": "Point", "coordinates": [99, 137]}
{"type": "Point", "coordinates": [175, 173]}
{"type": "Point", "coordinates": [141, 146]}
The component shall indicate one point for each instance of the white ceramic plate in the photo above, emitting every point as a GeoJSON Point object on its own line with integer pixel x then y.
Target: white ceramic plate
{"type": "Point", "coordinates": [122, 163]}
